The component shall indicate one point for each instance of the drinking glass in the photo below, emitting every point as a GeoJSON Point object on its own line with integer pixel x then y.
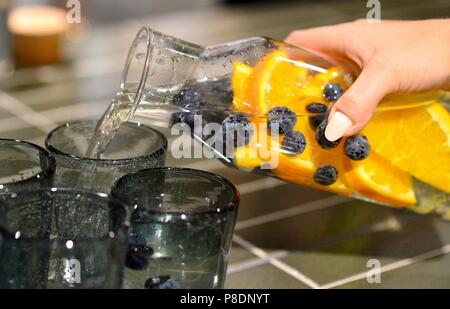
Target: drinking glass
{"type": "Point", "coordinates": [24, 166]}
{"type": "Point", "coordinates": [134, 147]}
{"type": "Point", "coordinates": [62, 238]}
{"type": "Point", "coordinates": [181, 227]}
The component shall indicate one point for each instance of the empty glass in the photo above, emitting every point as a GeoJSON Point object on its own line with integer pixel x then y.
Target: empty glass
{"type": "Point", "coordinates": [62, 238]}
{"type": "Point", "coordinates": [134, 147]}
{"type": "Point", "coordinates": [24, 166]}
{"type": "Point", "coordinates": [181, 227]}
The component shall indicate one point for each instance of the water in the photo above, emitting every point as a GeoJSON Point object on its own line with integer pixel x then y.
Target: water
{"type": "Point", "coordinates": [119, 111]}
{"type": "Point", "coordinates": [193, 252]}
{"type": "Point", "coordinates": [158, 107]}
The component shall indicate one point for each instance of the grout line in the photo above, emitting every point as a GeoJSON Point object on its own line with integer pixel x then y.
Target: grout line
{"type": "Point", "coordinates": [25, 113]}
{"type": "Point", "coordinates": [392, 266]}
{"type": "Point", "coordinates": [388, 224]}
{"type": "Point", "coordinates": [293, 211]}
{"type": "Point", "coordinates": [254, 262]}
{"type": "Point", "coordinates": [59, 114]}
{"type": "Point", "coordinates": [276, 263]}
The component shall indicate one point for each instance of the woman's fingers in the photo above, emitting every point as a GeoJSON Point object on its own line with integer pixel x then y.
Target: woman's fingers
{"type": "Point", "coordinates": [355, 108]}
{"type": "Point", "coordinates": [323, 39]}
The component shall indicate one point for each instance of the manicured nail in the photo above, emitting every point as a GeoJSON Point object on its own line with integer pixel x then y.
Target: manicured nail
{"type": "Point", "coordinates": [338, 124]}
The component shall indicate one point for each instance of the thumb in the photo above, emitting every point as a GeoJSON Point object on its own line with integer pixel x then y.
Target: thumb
{"type": "Point", "coordinates": [355, 107]}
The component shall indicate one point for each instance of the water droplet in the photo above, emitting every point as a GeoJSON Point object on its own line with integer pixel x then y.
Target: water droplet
{"type": "Point", "coordinates": [69, 244]}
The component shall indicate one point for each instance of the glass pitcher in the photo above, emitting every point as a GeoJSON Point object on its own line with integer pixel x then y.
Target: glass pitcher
{"type": "Point", "coordinates": [261, 105]}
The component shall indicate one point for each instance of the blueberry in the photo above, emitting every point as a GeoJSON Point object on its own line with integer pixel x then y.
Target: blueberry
{"type": "Point", "coordinates": [162, 282]}
{"type": "Point", "coordinates": [194, 120]}
{"type": "Point", "coordinates": [188, 98]}
{"type": "Point", "coordinates": [237, 130]}
{"type": "Point", "coordinates": [136, 240]}
{"type": "Point", "coordinates": [326, 175]}
{"type": "Point", "coordinates": [322, 140]}
{"type": "Point", "coordinates": [294, 142]}
{"type": "Point", "coordinates": [333, 91]}
{"type": "Point", "coordinates": [316, 108]}
{"type": "Point", "coordinates": [315, 121]}
{"type": "Point", "coordinates": [138, 253]}
{"type": "Point", "coordinates": [283, 117]}
{"type": "Point", "coordinates": [357, 147]}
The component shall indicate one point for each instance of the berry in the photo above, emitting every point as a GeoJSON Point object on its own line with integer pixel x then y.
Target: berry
{"type": "Point", "coordinates": [188, 98]}
{"type": "Point", "coordinates": [357, 147]}
{"type": "Point", "coordinates": [326, 175]}
{"type": "Point", "coordinates": [283, 117]}
{"type": "Point", "coordinates": [322, 140]}
{"type": "Point", "coordinates": [188, 118]}
{"type": "Point", "coordinates": [162, 282]}
{"type": "Point", "coordinates": [322, 112]}
{"type": "Point", "coordinates": [294, 142]}
{"type": "Point", "coordinates": [138, 253]}
{"type": "Point", "coordinates": [136, 240]}
{"type": "Point", "coordinates": [317, 108]}
{"type": "Point", "coordinates": [237, 130]}
{"type": "Point", "coordinates": [315, 121]}
{"type": "Point", "coordinates": [333, 91]}
{"type": "Point", "coordinates": [194, 120]}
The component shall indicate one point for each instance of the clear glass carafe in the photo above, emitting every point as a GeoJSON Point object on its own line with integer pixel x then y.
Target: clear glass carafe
{"type": "Point", "coordinates": [261, 105]}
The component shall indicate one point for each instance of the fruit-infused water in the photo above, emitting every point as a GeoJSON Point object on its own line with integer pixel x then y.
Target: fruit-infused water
{"type": "Point", "coordinates": [270, 101]}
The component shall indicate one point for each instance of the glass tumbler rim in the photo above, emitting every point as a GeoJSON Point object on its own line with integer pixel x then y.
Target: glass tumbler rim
{"type": "Point", "coordinates": [52, 149]}
{"type": "Point", "coordinates": [51, 160]}
{"type": "Point", "coordinates": [231, 205]}
{"type": "Point", "coordinates": [4, 229]}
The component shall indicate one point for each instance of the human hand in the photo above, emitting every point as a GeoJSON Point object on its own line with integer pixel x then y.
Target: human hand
{"type": "Point", "coordinates": [391, 56]}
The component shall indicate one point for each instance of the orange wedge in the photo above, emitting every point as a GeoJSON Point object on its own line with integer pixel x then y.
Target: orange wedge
{"type": "Point", "coordinates": [239, 83]}
{"type": "Point", "coordinates": [258, 151]}
{"type": "Point", "coordinates": [276, 81]}
{"type": "Point", "coordinates": [416, 140]}
{"type": "Point", "coordinates": [375, 178]}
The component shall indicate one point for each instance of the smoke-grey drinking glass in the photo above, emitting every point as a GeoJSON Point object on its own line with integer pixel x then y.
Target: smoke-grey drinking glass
{"type": "Point", "coordinates": [181, 227]}
{"type": "Point", "coordinates": [24, 166]}
{"type": "Point", "coordinates": [134, 147]}
{"type": "Point", "coordinates": [62, 238]}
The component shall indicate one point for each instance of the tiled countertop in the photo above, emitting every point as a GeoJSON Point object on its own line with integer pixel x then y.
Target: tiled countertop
{"type": "Point", "coordinates": [286, 236]}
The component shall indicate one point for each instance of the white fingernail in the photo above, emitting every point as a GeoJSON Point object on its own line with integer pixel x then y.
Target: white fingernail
{"type": "Point", "coordinates": [337, 126]}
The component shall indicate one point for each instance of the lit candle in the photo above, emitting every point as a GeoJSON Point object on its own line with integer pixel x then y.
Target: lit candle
{"type": "Point", "coordinates": [37, 32]}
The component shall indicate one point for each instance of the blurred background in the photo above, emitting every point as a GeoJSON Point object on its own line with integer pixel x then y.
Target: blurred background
{"type": "Point", "coordinates": [52, 72]}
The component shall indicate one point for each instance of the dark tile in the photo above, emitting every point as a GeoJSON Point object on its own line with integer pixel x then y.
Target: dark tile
{"type": "Point", "coordinates": [262, 277]}
{"type": "Point", "coordinates": [336, 224]}
{"type": "Point", "coordinates": [265, 201]}
{"type": "Point", "coordinates": [239, 254]}
{"type": "Point", "coordinates": [392, 241]}
{"type": "Point", "coordinates": [326, 267]}
{"type": "Point", "coordinates": [429, 274]}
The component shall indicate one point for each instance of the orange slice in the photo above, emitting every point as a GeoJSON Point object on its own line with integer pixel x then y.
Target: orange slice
{"type": "Point", "coordinates": [300, 168]}
{"type": "Point", "coordinates": [276, 81]}
{"type": "Point", "coordinates": [416, 140]}
{"type": "Point", "coordinates": [258, 151]}
{"type": "Point", "coordinates": [239, 83]}
{"type": "Point", "coordinates": [375, 178]}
